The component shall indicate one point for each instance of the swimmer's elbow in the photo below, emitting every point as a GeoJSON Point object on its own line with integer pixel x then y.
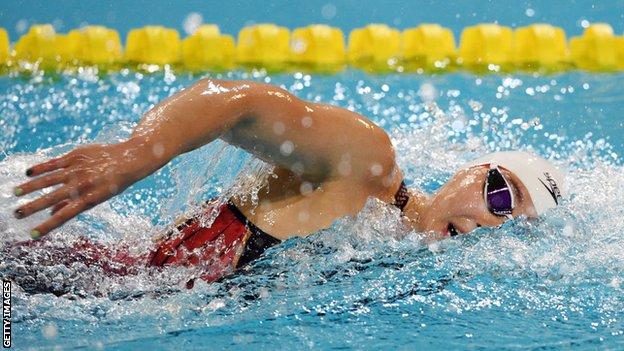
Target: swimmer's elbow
{"type": "Point", "coordinates": [250, 98]}
{"type": "Point", "coordinates": [386, 156]}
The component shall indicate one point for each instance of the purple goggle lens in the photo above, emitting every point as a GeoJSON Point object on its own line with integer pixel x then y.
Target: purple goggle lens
{"type": "Point", "coordinates": [498, 194]}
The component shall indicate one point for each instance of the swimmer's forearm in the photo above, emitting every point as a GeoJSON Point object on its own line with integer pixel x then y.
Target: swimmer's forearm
{"type": "Point", "coordinates": [258, 118]}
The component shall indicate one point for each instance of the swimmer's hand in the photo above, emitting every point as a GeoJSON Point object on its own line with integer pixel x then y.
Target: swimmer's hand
{"type": "Point", "coordinates": [87, 176]}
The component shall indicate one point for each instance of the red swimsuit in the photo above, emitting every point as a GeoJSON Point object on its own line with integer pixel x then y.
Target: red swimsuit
{"type": "Point", "coordinates": [229, 243]}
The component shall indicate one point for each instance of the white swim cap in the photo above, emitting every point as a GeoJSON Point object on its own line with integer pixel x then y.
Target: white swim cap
{"type": "Point", "coordinates": [543, 180]}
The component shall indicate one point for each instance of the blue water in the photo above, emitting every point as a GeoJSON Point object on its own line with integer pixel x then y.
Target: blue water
{"type": "Point", "coordinates": [553, 283]}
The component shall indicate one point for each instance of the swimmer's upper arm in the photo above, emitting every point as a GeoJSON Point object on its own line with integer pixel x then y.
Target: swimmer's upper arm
{"type": "Point", "coordinates": [318, 141]}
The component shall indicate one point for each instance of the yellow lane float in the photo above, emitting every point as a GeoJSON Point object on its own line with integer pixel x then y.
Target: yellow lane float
{"type": "Point", "coordinates": [540, 45]}
{"type": "Point", "coordinates": [94, 45]}
{"type": "Point", "coordinates": [597, 49]}
{"type": "Point", "coordinates": [375, 47]}
{"type": "Point", "coordinates": [207, 48]}
{"type": "Point", "coordinates": [66, 49]}
{"type": "Point", "coordinates": [4, 45]}
{"type": "Point", "coordinates": [321, 48]}
{"type": "Point", "coordinates": [153, 45]}
{"type": "Point", "coordinates": [428, 46]}
{"type": "Point", "coordinates": [620, 50]}
{"type": "Point", "coordinates": [264, 45]}
{"type": "Point", "coordinates": [40, 44]}
{"type": "Point", "coordinates": [318, 47]}
{"type": "Point", "coordinates": [484, 45]}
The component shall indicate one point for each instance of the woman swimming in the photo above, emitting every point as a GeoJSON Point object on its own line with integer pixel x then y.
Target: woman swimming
{"type": "Point", "coordinates": [328, 162]}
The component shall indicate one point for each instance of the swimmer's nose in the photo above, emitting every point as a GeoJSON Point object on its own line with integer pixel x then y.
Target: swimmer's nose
{"type": "Point", "coordinates": [466, 225]}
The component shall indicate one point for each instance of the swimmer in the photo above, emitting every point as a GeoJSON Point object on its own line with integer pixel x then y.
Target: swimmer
{"type": "Point", "coordinates": [328, 161]}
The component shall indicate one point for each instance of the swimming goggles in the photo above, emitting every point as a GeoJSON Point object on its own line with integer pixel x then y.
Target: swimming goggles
{"type": "Point", "coordinates": [498, 193]}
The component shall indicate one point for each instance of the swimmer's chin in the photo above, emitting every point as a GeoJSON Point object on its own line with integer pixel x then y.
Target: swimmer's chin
{"type": "Point", "coordinates": [449, 230]}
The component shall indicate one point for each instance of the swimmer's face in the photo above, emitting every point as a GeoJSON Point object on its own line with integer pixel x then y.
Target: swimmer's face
{"type": "Point", "coordinates": [459, 206]}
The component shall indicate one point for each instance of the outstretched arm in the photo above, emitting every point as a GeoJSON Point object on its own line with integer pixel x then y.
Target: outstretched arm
{"type": "Point", "coordinates": [318, 142]}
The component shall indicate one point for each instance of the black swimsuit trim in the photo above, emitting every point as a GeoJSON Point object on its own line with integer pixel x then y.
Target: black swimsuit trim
{"type": "Point", "coordinates": [257, 243]}
{"type": "Point", "coordinates": [401, 197]}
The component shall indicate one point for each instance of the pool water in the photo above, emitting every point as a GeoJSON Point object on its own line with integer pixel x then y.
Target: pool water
{"type": "Point", "coordinates": [364, 283]}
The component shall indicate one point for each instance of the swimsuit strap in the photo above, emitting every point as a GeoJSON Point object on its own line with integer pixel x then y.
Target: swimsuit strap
{"type": "Point", "coordinates": [401, 197]}
{"type": "Point", "coordinates": [257, 243]}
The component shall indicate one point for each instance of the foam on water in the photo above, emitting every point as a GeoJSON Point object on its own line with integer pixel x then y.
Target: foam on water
{"type": "Point", "coordinates": [366, 282]}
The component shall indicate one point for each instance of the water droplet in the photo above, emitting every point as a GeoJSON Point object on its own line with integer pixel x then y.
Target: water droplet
{"type": "Point", "coordinates": [50, 331]}
{"type": "Point", "coordinates": [303, 216]}
{"type": "Point", "coordinates": [298, 46]}
{"type": "Point", "coordinates": [328, 11]}
{"type": "Point", "coordinates": [458, 125]}
{"type": "Point", "coordinates": [344, 167]}
{"type": "Point", "coordinates": [287, 148]}
{"type": "Point", "coordinates": [306, 121]}
{"type": "Point", "coordinates": [297, 168]}
{"type": "Point", "coordinates": [158, 150]}
{"type": "Point", "coordinates": [427, 92]}
{"type": "Point", "coordinates": [306, 188]}
{"type": "Point", "coordinates": [192, 21]}
{"type": "Point", "coordinates": [476, 106]}
{"type": "Point", "coordinates": [376, 169]}
{"type": "Point", "coordinates": [279, 128]}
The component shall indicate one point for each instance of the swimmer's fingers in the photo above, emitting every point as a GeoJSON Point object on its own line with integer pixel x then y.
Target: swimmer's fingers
{"type": "Point", "coordinates": [41, 183]}
{"type": "Point", "coordinates": [67, 212]}
{"type": "Point", "coordinates": [51, 165]}
{"type": "Point", "coordinates": [58, 206]}
{"type": "Point", "coordinates": [46, 201]}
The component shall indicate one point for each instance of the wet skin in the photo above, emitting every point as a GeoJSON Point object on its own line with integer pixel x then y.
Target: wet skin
{"type": "Point", "coordinates": [328, 162]}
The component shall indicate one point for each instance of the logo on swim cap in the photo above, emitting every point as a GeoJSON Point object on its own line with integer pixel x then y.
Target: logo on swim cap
{"type": "Point", "coordinates": [552, 187]}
